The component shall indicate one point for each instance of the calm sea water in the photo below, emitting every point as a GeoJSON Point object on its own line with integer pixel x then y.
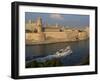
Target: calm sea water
{"type": "Point", "coordinates": [80, 51]}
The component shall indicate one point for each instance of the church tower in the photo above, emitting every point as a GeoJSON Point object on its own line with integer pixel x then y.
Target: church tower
{"type": "Point", "coordinates": [39, 24]}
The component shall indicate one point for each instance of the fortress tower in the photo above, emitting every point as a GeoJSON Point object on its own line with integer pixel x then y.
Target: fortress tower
{"type": "Point", "coordinates": [39, 24]}
{"type": "Point", "coordinates": [39, 36]}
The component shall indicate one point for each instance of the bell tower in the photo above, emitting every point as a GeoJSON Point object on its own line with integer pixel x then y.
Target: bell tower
{"type": "Point", "coordinates": [39, 24]}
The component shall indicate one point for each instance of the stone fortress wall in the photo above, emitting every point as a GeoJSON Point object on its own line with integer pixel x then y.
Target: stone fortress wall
{"type": "Point", "coordinates": [53, 33]}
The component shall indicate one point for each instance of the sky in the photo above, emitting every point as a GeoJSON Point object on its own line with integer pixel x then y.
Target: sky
{"type": "Point", "coordinates": [67, 20]}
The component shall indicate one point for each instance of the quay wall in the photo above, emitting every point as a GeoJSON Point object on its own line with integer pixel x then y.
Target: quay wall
{"type": "Point", "coordinates": [55, 35]}
{"type": "Point", "coordinates": [35, 36]}
{"type": "Point", "coordinates": [68, 36]}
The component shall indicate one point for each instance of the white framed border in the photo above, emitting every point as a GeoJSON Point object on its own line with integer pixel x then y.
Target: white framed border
{"type": "Point", "coordinates": [54, 70]}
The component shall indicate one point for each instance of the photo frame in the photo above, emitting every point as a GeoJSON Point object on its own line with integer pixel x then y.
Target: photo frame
{"type": "Point", "coordinates": [51, 40]}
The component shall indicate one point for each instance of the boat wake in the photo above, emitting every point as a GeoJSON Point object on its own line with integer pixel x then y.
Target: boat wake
{"type": "Point", "coordinates": [59, 54]}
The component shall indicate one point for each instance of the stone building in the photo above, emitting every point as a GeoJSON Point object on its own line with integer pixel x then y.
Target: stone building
{"type": "Point", "coordinates": [51, 29]}
{"type": "Point", "coordinates": [34, 26]}
{"type": "Point", "coordinates": [36, 33]}
{"type": "Point", "coordinates": [82, 35]}
{"type": "Point", "coordinates": [30, 26]}
{"type": "Point", "coordinates": [39, 25]}
{"type": "Point", "coordinates": [52, 32]}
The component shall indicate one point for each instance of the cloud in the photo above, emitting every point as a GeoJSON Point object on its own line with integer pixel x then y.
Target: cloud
{"type": "Point", "coordinates": [56, 16]}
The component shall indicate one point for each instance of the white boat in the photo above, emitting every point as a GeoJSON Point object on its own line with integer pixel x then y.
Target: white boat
{"type": "Point", "coordinates": [58, 54]}
{"type": "Point", "coordinates": [64, 52]}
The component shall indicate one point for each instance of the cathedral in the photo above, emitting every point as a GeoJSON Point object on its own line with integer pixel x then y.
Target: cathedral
{"type": "Point", "coordinates": [34, 27]}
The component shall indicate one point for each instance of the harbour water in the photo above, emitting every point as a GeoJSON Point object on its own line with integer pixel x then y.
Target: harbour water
{"type": "Point", "coordinates": [80, 52]}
